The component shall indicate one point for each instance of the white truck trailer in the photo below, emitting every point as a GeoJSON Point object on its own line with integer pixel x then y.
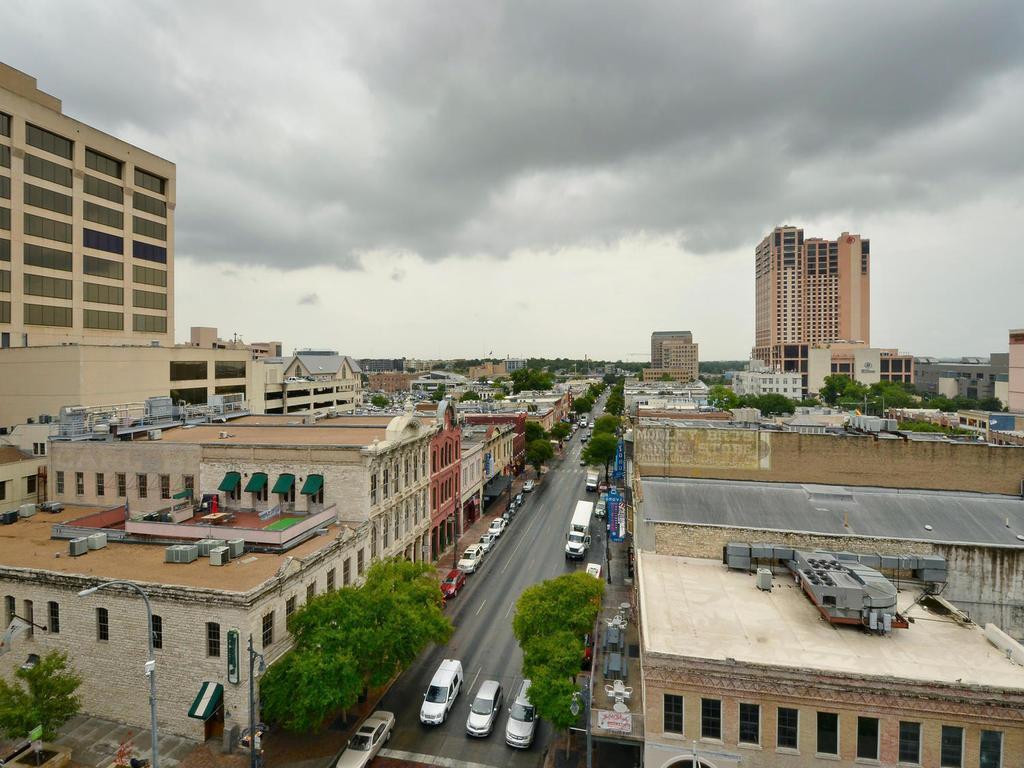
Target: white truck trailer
{"type": "Point", "coordinates": [577, 540]}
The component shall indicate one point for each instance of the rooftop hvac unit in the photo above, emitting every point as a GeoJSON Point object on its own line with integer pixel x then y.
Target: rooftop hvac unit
{"type": "Point", "coordinates": [9, 518]}
{"type": "Point", "coordinates": [764, 579]}
{"type": "Point", "coordinates": [219, 556]}
{"type": "Point", "coordinates": [181, 553]}
{"type": "Point", "coordinates": [101, 428]}
{"type": "Point", "coordinates": [26, 510]}
{"type": "Point", "coordinates": [205, 545]}
{"type": "Point", "coordinates": [154, 434]}
{"type": "Point", "coordinates": [236, 547]}
{"type": "Point", "coordinates": [51, 506]}
{"type": "Point", "coordinates": [78, 547]}
{"type": "Point", "coordinates": [97, 540]}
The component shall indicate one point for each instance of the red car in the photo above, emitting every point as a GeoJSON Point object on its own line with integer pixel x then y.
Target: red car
{"type": "Point", "coordinates": [453, 583]}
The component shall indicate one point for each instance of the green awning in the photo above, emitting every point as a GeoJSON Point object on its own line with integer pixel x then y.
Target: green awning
{"type": "Point", "coordinates": [230, 482]}
{"type": "Point", "coordinates": [312, 485]}
{"type": "Point", "coordinates": [257, 482]}
{"type": "Point", "coordinates": [284, 483]}
{"type": "Point", "coordinates": [185, 494]}
{"type": "Point", "coordinates": [207, 700]}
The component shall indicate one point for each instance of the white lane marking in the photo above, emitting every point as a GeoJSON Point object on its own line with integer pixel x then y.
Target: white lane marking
{"type": "Point", "coordinates": [510, 605]}
{"type": "Point", "coordinates": [481, 607]}
{"type": "Point", "coordinates": [443, 762]}
{"type": "Point", "coordinates": [473, 684]}
{"type": "Point", "coordinates": [522, 538]}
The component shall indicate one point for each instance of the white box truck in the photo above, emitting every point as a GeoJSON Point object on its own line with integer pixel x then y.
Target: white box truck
{"type": "Point", "coordinates": [592, 480]}
{"type": "Point", "coordinates": [577, 541]}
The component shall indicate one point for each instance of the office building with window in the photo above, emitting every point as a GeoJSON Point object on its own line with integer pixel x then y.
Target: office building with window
{"type": "Point", "coordinates": [1015, 372]}
{"type": "Point", "coordinates": [86, 229]}
{"type": "Point", "coordinates": [673, 357]}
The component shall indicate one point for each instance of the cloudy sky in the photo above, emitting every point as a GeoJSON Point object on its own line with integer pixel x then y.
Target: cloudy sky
{"type": "Point", "coordinates": [558, 178]}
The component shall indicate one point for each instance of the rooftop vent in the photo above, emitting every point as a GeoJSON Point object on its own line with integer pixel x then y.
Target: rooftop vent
{"type": "Point", "coordinates": [181, 553]}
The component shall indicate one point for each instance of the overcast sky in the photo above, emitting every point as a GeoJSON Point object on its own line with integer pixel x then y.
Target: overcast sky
{"type": "Point", "coordinates": [558, 178]}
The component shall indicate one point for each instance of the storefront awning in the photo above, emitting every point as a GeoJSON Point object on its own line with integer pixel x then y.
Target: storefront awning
{"type": "Point", "coordinates": [257, 482]}
{"type": "Point", "coordinates": [184, 494]}
{"type": "Point", "coordinates": [312, 485]}
{"type": "Point", "coordinates": [284, 483]}
{"type": "Point", "coordinates": [497, 486]}
{"type": "Point", "coordinates": [230, 482]}
{"type": "Point", "coordinates": [206, 701]}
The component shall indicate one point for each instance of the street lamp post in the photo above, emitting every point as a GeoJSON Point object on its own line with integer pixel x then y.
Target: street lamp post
{"type": "Point", "coordinates": [150, 665]}
{"type": "Point", "coordinates": [455, 542]}
{"type": "Point", "coordinates": [253, 655]}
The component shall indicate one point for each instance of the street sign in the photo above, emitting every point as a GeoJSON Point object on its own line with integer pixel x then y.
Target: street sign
{"type": "Point", "coordinates": [233, 656]}
{"type": "Point", "coordinates": [619, 472]}
{"type": "Point", "coordinates": [622, 722]}
{"type": "Point", "coordinates": [36, 733]}
{"type": "Point", "coordinates": [616, 516]}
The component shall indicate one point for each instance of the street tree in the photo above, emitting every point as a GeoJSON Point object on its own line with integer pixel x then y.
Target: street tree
{"type": "Point", "coordinates": [769, 404]}
{"type": "Point", "coordinates": [990, 404]}
{"type": "Point", "coordinates": [534, 431]}
{"type": "Point", "coordinates": [723, 398]}
{"type": "Point", "coordinates": [616, 402]}
{"type": "Point", "coordinates": [560, 431]}
{"type": "Point", "coordinates": [607, 423]}
{"type": "Point", "coordinates": [439, 394]}
{"type": "Point", "coordinates": [44, 694]}
{"type": "Point", "coordinates": [380, 401]}
{"type": "Point", "coordinates": [601, 449]}
{"type": "Point", "coordinates": [582, 405]}
{"type": "Point", "coordinates": [469, 394]}
{"type": "Point", "coordinates": [530, 379]}
{"type": "Point", "coordinates": [352, 639]}
{"type": "Point", "coordinates": [840, 388]}
{"type": "Point", "coordinates": [537, 452]}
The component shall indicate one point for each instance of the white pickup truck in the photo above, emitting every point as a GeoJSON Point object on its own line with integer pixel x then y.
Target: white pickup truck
{"type": "Point", "coordinates": [592, 480]}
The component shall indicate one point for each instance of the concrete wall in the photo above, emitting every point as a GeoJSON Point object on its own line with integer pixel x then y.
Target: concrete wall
{"type": "Point", "coordinates": [671, 451]}
{"type": "Point", "coordinates": [15, 475]}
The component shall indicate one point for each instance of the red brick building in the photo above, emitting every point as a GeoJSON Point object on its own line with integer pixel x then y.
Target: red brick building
{"type": "Point", "coordinates": [517, 420]}
{"type": "Point", "coordinates": [445, 479]}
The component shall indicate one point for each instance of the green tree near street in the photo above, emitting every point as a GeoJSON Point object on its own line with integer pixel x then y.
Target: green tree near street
{"type": "Point", "coordinates": [43, 695]}
{"type": "Point", "coordinates": [469, 394]}
{"type": "Point", "coordinates": [537, 452]}
{"type": "Point", "coordinates": [840, 387]}
{"type": "Point", "coordinates": [722, 398]}
{"type": "Point", "coordinates": [500, 395]}
{"type": "Point", "coordinates": [534, 431]}
{"type": "Point", "coordinates": [352, 639]}
{"type": "Point", "coordinates": [583, 405]}
{"type": "Point", "coordinates": [616, 402]}
{"type": "Point", "coordinates": [600, 449]}
{"type": "Point", "coordinates": [607, 423]}
{"type": "Point", "coordinates": [439, 394]}
{"type": "Point", "coordinates": [380, 401]}
{"type": "Point", "coordinates": [771, 404]}
{"type": "Point", "coordinates": [529, 379]}
{"type": "Point", "coordinates": [560, 431]}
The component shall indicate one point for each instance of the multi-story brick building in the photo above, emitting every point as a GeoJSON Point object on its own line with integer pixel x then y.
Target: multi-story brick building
{"type": "Point", "coordinates": [446, 522]}
{"type": "Point", "coordinates": [391, 381]}
{"type": "Point", "coordinates": [516, 461]}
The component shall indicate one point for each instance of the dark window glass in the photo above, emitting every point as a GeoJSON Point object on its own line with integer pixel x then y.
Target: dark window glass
{"type": "Point", "coordinates": [991, 749]}
{"type": "Point", "coordinates": [142, 485]}
{"type": "Point", "coordinates": [828, 733]}
{"type": "Point", "coordinates": [952, 747]}
{"type": "Point", "coordinates": [48, 141]}
{"type": "Point", "coordinates": [190, 395]}
{"type": "Point", "coordinates": [5, 218]}
{"type": "Point", "coordinates": [100, 214]}
{"type": "Point", "coordinates": [40, 197]}
{"type": "Point", "coordinates": [5, 130]}
{"type": "Point", "coordinates": [48, 258]}
{"type": "Point", "coordinates": [102, 241]}
{"type": "Point", "coordinates": [100, 162]}
{"type": "Point", "coordinates": [102, 624]}
{"type": "Point", "coordinates": [672, 706]}
{"type": "Point", "coordinates": [910, 742]}
{"type": "Point", "coordinates": [212, 638]}
{"type": "Point", "coordinates": [98, 318]}
{"type": "Point", "coordinates": [149, 204]}
{"type": "Point", "coordinates": [100, 484]}
{"type": "Point", "coordinates": [5, 187]}
{"type": "Point", "coordinates": [60, 481]}
{"type": "Point", "coordinates": [51, 287]}
{"type": "Point", "coordinates": [154, 229]}
{"type": "Point", "coordinates": [230, 389]}
{"type": "Point", "coordinates": [149, 275]}
{"type": "Point", "coordinates": [750, 724]}
{"type": "Point", "coordinates": [330, 580]}
{"type": "Point", "coordinates": [788, 735]}
{"type": "Point", "coordinates": [149, 324]}
{"type": "Point", "coordinates": [5, 281]}
{"type": "Point", "coordinates": [149, 252]}
{"type": "Point", "coordinates": [5, 311]}
{"type": "Point", "coordinates": [289, 606]}
{"type": "Point", "coordinates": [54, 624]}
{"type": "Point", "coordinates": [229, 369]}
{"type": "Point", "coordinates": [5, 250]}
{"type": "Point", "coordinates": [104, 189]}
{"type": "Point", "coordinates": [165, 486]}
{"type": "Point", "coordinates": [149, 181]}
{"type": "Point", "coordinates": [158, 631]}
{"type": "Point", "coordinates": [103, 294]}
{"type": "Point", "coordinates": [710, 718]}
{"type": "Point", "coordinates": [94, 265]}
{"type": "Point", "coordinates": [37, 226]}
{"type": "Point", "coordinates": [268, 629]}
{"type": "Point", "coordinates": [149, 299]}
{"type": "Point", "coordinates": [188, 370]}
{"type": "Point", "coordinates": [47, 170]}
{"type": "Point", "coordinates": [122, 484]}
{"type": "Point", "coordinates": [5, 156]}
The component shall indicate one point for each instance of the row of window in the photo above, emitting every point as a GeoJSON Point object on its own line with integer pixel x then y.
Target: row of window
{"type": "Point", "coordinates": [868, 733]}
{"type": "Point", "coordinates": [121, 483]}
{"type": "Point", "coordinates": [290, 604]}
{"type": "Point", "coordinates": [389, 475]}
{"type": "Point", "coordinates": [61, 317]}
{"type": "Point", "coordinates": [100, 214]}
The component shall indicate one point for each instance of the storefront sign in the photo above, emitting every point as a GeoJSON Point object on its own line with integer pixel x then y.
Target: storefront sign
{"type": "Point", "coordinates": [233, 653]}
{"type": "Point", "coordinates": [620, 722]}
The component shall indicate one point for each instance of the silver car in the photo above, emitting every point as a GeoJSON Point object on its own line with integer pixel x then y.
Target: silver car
{"type": "Point", "coordinates": [522, 719]}
{"type": "Point", "coordinates": [484, 710]}
{"type": "Point", "coordinates": [370, 737]}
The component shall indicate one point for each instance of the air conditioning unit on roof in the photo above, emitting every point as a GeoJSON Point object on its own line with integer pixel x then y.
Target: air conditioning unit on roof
{"type": "Point", "coordinates": [78, 547]}
{"type": "Point", "coordinates": [97, 540]}
{"type": "Point", "coordinates": [236, 547]}
{"type": "Point", "coordinates": [219, 556]}
{"type": "Point", "coordinates": [205, 545]}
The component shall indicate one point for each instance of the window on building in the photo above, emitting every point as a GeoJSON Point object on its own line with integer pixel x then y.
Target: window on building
{"type": "Point", "coordinates": [100, 484]}
{"type": "Point", "coordinates": [910, 743]}
{"type": "Point", "coordinates": [53, 609]}
{"type": "Point", "coordinates": [750, 723]}
{"type": "Point", "coordinates": [47, 199]}
{"type": "Point", "coordinates": [48, 141]}
{"type": "Point", "coordinates": [672, 709]}
{"type": "Point", "coordinates": [268, 629]}
{"type": "Point", "coordinates": [190, 395]}
{"type": "Point", "coordinates": [346, 572]}
{"type": "Point", "coordinates": [991, 749]}
{"type": "Point", "coordinates": [710, 718]}
{"type": "Point", "coordinates": [310, 591]}
{"type": "Point", "coordinates": [951, 753]}
{"type": "Point", "coordinates": [79, 483]}
{"type": "Point", "coordinates": [149, 181]}
{"type": "Point", "coordinates": [30, 618]}
{"type": "Point", "coordinates": [188, 482]}
{"type": "Point", "coordinates": [212, 639]}
{"type": "Point", "coordinates": [149, 276]}
{"type": "Point", "coordinates": [102, 624]}
{"type": "Point", "coordinates": [228, 369]}
{"type": "Point", "coordinates": [100, 214]}
{"type": "Point", "coordinates": [147, 204]}
{"type": "Point", "coordinates": [102, 188]}
{"type": "Point", "coordinates": [788, 728]}
{"type": "Point", "coordinates": [98, 293]}
{"type": "Point", "coordinates": [47, 170]}
{"type": "Point", "coordinates": [330, 579]}
{"type": "Point", "coordinates": [149, 252]}
{"type": "Point", "coordinates": [9, 610]}
{"type": "Point", "coordinates": [38, 449]}
{"type": "Point", "coordinates": [142, 486]}
{"type": "Point", "coordinates": [60, 481]}
{"type": "Point", "coordinates": [188, 370]}
{"type": "Point", "coordinates": [158, 631]}
{"type": "Point", "coordinates": [102, 241]}
{"type": "Point", "coordinates": [100, 162]}
{"type": "Point", "coordinates": [360, 562]}
{"type": "Point", "coordinates": [100, 319]}
{"type": "Point", "coordinates": [373, 488]}
{"type": "Point", "coordinates": [48, 287]}
{"type": "Point", "coordinates": [386, 529]}
{"type": "Point", "coordinates": [149, 228]}
{"type": "Point", "coordinates": [828, 733]}
{"type": "Point", "coordinates": [165, 486]}
{"type": "Point", "coordinates": [5, 124]}
{"type": "Point", "coordinates": [289, 606]}
{"type": "Point", "coordinates": [150, 300]}
{"type": "Point", "coordinates": [122, 484]}
{"type": "Point", "coordinates": [30, 485]}
{"type": "Point", "coordinates": [384, 481]}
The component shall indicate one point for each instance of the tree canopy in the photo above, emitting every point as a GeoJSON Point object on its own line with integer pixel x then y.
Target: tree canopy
{"type": "Point", "coordinates": [380, 401]}
{"type": "Point", "coordinates": [439, 394]}
{"type": "Point", "coordinates": [537, 452]}
{"type": "Point", "coordinates": [607, 423]}
{"type": "Point", "coordinates": [41, 695]}
{"type": "Point", "coordinates": [534, 431]}
{"type": "Point", "coordinates": [600, 449]}
{"type": "Point", "coordinates": [560, 431]}
{"type": "Point", "coordinates": [722, 398]}
{"type": "Point", "coordinates": [583, 404]}
{"type": "Point", "coordinates": [352, 639]}
{"type": "Point", "coordinates": [616, 402]}
{"type": "Point", "coordinates": [527, 379]}
{"type": "Point", "coordinates": [469, 394]}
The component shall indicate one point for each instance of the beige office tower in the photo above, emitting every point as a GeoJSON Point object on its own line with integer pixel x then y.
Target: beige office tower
{"type": "Point", "coordinates": [807, 293]}
{"type": "Point", "coordinates": [673, 354]}
{"type": "Point", "coordinates": [86, 229]}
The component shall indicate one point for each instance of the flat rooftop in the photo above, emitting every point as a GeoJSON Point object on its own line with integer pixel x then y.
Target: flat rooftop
{"type": "Point", "coordinates": [27, 544]}
{"type": "Point", "coordinates": [970, 518]}
{"type": "Point", "coordinates": [694, 608]}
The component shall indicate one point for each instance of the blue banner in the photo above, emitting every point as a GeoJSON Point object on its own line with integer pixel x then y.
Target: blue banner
{"type": "Point", "coordinates": [616, 516]}
{"type": "Point", "coordinates": [619, 472]}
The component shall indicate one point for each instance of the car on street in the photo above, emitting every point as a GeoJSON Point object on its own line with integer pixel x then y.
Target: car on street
{"type": "Point", "coordinates": [508, 514]}
{"type": "Point", "coordinates": [487, 541]}
{"type": "Point", "coordinates": [471, 559]}
{"type": "Point", "coordinates": [519, 499]}
{"type": "Point", "coordinates": [453, 583]}
{"type": "Point", "coordinates": [528, 486]}
{"type": "Point", "coordinates": [444, 686]}
{"type": "Point", "coordinates": [583, 462]}
{"type": "Point", "coordinates": [497, 526]}
{"type": "Point", "coordinates": [522, 719]}
{"type": "Point", "coordinates": [600, 508]}
{"type": "Point", "coordinates": [483, 712]}
{"type": "Point", "coordinates": [367, 741]}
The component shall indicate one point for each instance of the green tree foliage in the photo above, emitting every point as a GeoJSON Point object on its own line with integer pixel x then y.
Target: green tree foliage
{"type": "Point", "coordinates": [607, 423]}
{"type": "Point", "coordinates": [770, 404]}
{"type": "Point", "coordinates": [722, 366]}
{"type": "Point", "coordinates": [616, 402]}
{"type": "Point", "coordinates": [439, 394]}
{"type": "Point", "coordinates": [528, 379]}
{"type": "Point", "coordinates": [43, 695]}
{"type": "Point", "coordinates": [809, 402]}
{"type": "Point", "coordinates": [500, 395]}
{"type": "Point", "coordinates": [583, 405]}
{"type": "Point", "coordinates": [534, 431]}
{"type": "Point", "coordinates": [594, 391]}
{"type": "Point", "coordinates": [600, 449]}
{"type": "Point", "coordinates": [722, 398]}
{"type": "Point", "coordinates": [912, 425]}
{"type": "Point", "coordinates": [469, 394]}
{"type": "Point", "coordinates": [352, 639]}
{"type": "Point", "coordinates": [560, 431]}
{"type": "Point", "coordinates": [665, 377]}
{"type": "Point", "coordinates": [380, 401]}
{"type": "Point", "coordinates": [990, 404]}
{"type": "Point", "coordinates": [537, 452]}
{"type": "Point", "coordinates": [840, 389]}
{"type": "Point", "coordinates": [890, 394]}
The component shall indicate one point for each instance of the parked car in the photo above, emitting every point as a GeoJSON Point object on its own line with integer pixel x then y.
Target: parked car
{"type": "Point", "coordinates": [440, 696]}
{"type": "Point", "coordinates": [600, 508]}
{"type": "Point", "coordinates": [519, 499]}
{"type": "Point", "coordinates": [453, 583]}
{"type": "Point", "coordinates": [294, 380]}
{"type": "Point", "coordinates": [522, 719]}
{"type": "Point", "coordinates": [471, 559]}
{"type": "Point", "coordinates": [483, 712]}
{"type": "Point", "coordinates": [588, 652]}
{"type": "Point", "coordinates": [583, 462]}
{"type": "Point", "coordinates": [487, 541]}
{"type": "Point", "coordinates": [364, 746]}
{"type": "Point", "coordinates": [528, 486]}
{"type": "Point", "coordinates": [508, 514]}
{"type": "Point", "coordinates": [497, 526]}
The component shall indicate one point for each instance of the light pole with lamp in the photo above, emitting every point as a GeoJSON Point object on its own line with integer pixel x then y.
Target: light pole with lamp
{"type": "Point", "coordinates": [574, 707]}
{"type": "Point", "coordinates": [253, 655]}
{"type": "Point", "coordinates": [150, 665]}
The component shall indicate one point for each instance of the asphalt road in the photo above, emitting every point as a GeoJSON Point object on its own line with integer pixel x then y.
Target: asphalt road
{"type": "Point", "coordinates": [530, 550]}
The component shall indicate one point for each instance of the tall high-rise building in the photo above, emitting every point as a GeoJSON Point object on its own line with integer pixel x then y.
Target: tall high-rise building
{"type": "Point", "coordinates": [807, 293]}
{"type": "Point", "coordinates": [86, 229]}
{"type": "Point", "coordinates": [673, 354]}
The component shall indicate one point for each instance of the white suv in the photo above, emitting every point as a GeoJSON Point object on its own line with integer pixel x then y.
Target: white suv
{"type": "Point", "coordinates": [440, 696]}
{"type": "Point", "coordinates": [471, 559]}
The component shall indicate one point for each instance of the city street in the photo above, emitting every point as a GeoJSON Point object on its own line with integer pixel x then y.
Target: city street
{"type": "Point", "coordinates": [530, 550]}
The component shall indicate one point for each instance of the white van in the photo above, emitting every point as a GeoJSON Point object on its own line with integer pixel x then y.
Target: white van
{"type": "Point", "coordinates": [440, 696]}
{"type": "Point", "coordinates": [522, 719]}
